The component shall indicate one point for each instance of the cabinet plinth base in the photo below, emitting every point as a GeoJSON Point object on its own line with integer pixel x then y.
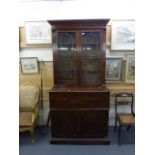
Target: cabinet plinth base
{"type": "Point", "coordinates": [80, 141]}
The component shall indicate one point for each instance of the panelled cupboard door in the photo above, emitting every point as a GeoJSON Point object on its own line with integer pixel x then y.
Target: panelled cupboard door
{"type": "Point", "coordinates": [65, 124]}
{"type": "Point", "coordinates": [78, 57]}
{"type": "Point", "coordinates": [93, 119]}
{"type": "Point", "coordinates": [74, 124]}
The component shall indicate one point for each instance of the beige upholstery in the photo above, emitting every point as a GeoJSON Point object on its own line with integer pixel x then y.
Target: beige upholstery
{"type": "Point", "coordinates": [126, 119]}
{"type": "Point", "coordinates": [28, 108]}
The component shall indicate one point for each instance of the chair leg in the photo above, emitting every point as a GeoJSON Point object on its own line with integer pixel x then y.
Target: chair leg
{"type": "Point", "coordinates": [47, 124]}
{"type": "Point", "coordinates": [115, 124]}
{"type": "Point", "coordinates": [32, 136]}
{"type": "Point", "coordinates": [119, 134]}
{"type": "Point", "coordinates": [129, 126]}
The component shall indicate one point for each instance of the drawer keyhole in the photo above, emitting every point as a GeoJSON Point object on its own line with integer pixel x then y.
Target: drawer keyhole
{"type": "Point", "coordinates": [94, 99]}
{"type": "Point", "coordinates": [64, 100]}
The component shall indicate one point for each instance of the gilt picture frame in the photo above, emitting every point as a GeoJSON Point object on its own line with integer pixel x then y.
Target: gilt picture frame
{"type": "Point", "coordinates": [113, 69]}
{"type": "Point", "coordinates": [123, 35]}
{"type": "Point", "coordinates": [38, 32]}
{"type": "Point", "coordinates": [130, 69]}
{"type": "Point", "coordinates": [29, 65]}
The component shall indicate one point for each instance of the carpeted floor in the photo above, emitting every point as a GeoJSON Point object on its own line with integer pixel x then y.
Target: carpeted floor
{"type": "Point", "coordinates": [42, 146]}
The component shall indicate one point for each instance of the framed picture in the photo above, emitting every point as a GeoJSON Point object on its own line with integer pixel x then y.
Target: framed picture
{"type": "Point", "coordinates": [130, 69]}
{"type": "Point", "coordinates": [113, 69]}
{"type": "Point", "coordinates": [38, 32]}
{"type": "Point", "coordinates": [29, 65]}
{"type": "Point", "coordinates": [123, 35]}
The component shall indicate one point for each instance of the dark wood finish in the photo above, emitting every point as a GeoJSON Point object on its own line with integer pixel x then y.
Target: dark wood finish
{"type": "Point", "coordinates": [79, 23]}
{"type": "Point", "coordinates": [79, 103]}
{"type": "Point", "coordinates": [79, 114]}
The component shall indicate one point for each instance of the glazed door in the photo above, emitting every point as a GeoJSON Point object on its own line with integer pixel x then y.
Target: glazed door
{"type": "Point", "coordinates": [79, 58]}
{"type": "Point", "coordinates": [90, 57]}
{"type": "Point", "coordinates": [66, 58]}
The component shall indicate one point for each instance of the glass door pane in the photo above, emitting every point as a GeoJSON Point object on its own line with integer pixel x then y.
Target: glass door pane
{"type": "Point", "coordinates": [67, 57]}
{"type": "Point", "coordinates": [67, 71]}
{"type": "Point", "coordinates": [90, 71]}
{"type": "Point", "coordinates": [90, 57]}
{"type": "Point", "coordinates": [90, 44]}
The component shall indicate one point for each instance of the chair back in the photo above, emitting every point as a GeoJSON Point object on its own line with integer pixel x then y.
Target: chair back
{"type": "Point", "coordinates": [28, 95]}
{"type": "Point", "coordinates": [124, 103]}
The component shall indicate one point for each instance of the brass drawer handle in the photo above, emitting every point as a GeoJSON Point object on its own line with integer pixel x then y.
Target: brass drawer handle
{"type": "Point", "coordinates": [94, 99]}
{"type": "Point", "coordinates": [64, 100]}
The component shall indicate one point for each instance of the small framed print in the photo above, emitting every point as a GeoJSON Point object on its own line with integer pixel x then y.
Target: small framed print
{"type": "Point", "coordinates": [29, 65]}
{"type": "Point", "coordinates": [38, 32]}
{"type": "Point", "coordinates": [123, 35]}
{"type": "Point", "coordinates": [113, 69]}
{"type": "Point", "coordinates": [130, 69]}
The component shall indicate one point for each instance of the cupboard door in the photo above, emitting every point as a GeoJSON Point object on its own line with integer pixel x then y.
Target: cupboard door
{"type": "Point", "coordinates": [90, 57]}
{"type": "Point", "coordinates": [66, 55]}
{"type": "Point", "coordinates": [65, 124]}
{"type": "Point", "coordinates": [94, 123]}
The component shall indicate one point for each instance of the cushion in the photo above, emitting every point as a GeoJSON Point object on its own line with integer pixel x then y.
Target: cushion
{"type": "Point", "coordinates": [126, 118]}
{"type": "Point", "coordinates": [28, 96]}
{"type": "Point", "coordinates": [25, 119]}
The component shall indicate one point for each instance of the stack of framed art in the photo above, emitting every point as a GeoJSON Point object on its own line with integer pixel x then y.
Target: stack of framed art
{"type": "Point", "coordinates": [120, 64]}
{"type": "Point", "coordinates": [118, 70]}
{"type": "Point", "coordinates": [114, 69]}
{"type": "Point", "coordinates": [130, 69]}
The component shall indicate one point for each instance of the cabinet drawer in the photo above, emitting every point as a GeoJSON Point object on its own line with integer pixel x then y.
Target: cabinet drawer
{"type": "Point", "coordinates": [81, 100]}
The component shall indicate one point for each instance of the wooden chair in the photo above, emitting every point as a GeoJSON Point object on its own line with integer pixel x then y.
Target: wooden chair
{"type": "Point", "coordinates": [28, 108]}
{"type": "Point", "coordinates": [123, 115]}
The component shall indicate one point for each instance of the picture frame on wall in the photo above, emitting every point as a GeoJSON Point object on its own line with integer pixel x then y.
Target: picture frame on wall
{"type": "Point", "coordinates": [123, 35]}
{"type": "Point", "coordinates": [113, 69]}
{"type": "Point", "coordinates": [29, 65]}
{"type": "Point", "coordinates": [38, 32]}
{"type": "Point", "coordinates": [130, 69]}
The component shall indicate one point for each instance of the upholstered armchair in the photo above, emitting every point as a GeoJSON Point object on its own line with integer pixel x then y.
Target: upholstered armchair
{"type": "Point", "coordinates": [28, 108]}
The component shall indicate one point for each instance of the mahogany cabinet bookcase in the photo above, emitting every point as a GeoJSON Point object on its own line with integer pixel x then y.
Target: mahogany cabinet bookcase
{"type": "Point", "coordinates": [79, 101]}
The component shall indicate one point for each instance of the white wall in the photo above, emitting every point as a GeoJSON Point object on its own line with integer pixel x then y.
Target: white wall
{"type": "Point", "coordinates": [75, 9]}
{"type": "Point", "coordinates": [44, 54]}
